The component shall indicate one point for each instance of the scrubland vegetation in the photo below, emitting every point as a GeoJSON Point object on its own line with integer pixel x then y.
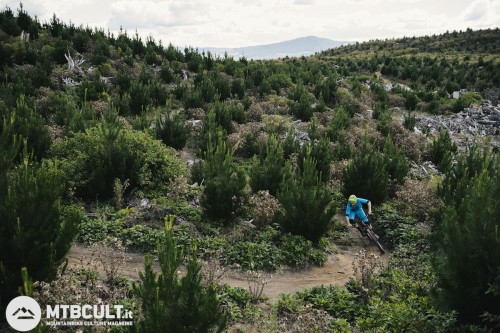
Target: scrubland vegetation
{"type": "Point", "coordinates": [186, 157]}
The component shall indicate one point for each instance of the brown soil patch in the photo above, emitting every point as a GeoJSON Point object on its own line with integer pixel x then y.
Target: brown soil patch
{"type": "Point", "coordinates": [337, 270]}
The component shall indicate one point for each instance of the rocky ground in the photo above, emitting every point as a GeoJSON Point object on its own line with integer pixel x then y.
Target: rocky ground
{"type": "Point", "coordinates": [478, 120]}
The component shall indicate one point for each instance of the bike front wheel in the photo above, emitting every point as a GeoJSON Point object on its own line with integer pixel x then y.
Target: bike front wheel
{"type": "Point", "coordinates": [373, 237]}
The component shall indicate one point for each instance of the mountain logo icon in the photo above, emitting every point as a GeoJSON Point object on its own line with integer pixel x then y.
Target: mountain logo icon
{"type": "Point", "coordinates": [23, 313]}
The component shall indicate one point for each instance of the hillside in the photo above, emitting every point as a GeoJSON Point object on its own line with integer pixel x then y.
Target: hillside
{"type": "Point", "coordinates": [472, 43]}
{"type": "Point", "coordinates": [304, 46]}
{"type": "Point", "coordinates": [189, 165]}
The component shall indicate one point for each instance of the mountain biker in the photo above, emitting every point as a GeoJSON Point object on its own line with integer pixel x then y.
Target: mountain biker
{"type": "Point", "coordinates": [355, 208]}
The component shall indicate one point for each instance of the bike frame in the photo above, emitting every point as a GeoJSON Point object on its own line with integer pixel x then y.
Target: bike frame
{"type": "Point", "coordinates": [369, 233]}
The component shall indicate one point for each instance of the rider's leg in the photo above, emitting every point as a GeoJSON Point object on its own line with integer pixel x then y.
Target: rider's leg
{"type": "Point", "coordinates": [361, 214]}
{"type": "Point", "coordinates": [351, 218]}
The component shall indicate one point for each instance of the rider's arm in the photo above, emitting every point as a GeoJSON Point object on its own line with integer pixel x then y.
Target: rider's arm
{"type": "Point", "coordinates": [347, 212]}
{"type": "Point", "coordinates": [369, 207]}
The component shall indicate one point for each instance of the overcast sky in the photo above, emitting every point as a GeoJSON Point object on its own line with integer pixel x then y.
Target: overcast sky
{"type": "Point", "coordinates": [234, 23]}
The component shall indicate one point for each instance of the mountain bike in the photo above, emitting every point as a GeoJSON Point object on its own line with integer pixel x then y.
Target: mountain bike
{"type": "Point", "coordinates": [368, 232]}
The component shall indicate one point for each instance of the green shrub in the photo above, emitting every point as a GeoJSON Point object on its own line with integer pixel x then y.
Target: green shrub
{"type": "Point", "coordinates": [288, 304]}
{"type": "Point", "coordinates": [340, 122]}
{"type": "Point", "coordinates": [366, 175]}
{"type": "Point", "coordinates": [210, 130]}
{"type": "Point", "coordinates": [328, 89]}
{"type": "Point", "coordinates": [395, 161]}
{"type": "Point", "coordinates": [411, 101]}
{"type": "Point", "coordinates": [250, 255]}
{"type": "Point", "coordinates": [60, 105]}
{"type": "Point", "coordinates": [141, 238]}
{"type": "Point", "coordinates": [303, 109]}
{"type": "Point", "coordinates": [209, 246]}
{"type": "Point", "coordinates": [468, 249]}
{"type": "Point", "coordinates": [238, 89]}
{"type": "Point", "coordinates": [278, 81]}
{"type": "Point", "coordinates": [140, 97]}
{"type": "Point", "coordinates": [9, 144]}
{"type": "Point", "coordinates": [170, 303]}
{"type": "Point", "coordinates": [223, 116]}
{"type": "Point", "coordinates": [322, 153]}
{"type": "Point", "coordinates": [166, 74]}
{"type": "Point", "coordinates": [306, 204]}
{"type": "Point", "coordinates": [341, 149]}
{"type": "Point", "coordinates": [78, 120]}
{"type": "Point", "coordinates": [238, 302]}
{"type": "Point", "coordinates": [383, 122]}
{"type": "Point", "coordinates": [252, 146]}
{"type": "Point", "coordinates": [396, 229]}
{"type": "Point", "coordinates": [237, 112]}
{"type": "Point", "coordinates": [465, 100]}
{"type": "Point", "coordinates": [35, 226]}
{"type": "Point", "coordinates": [196, 172]}
{"type": "Point", "coordinates": [337, 302]}
{"type": "Point", "coordinates": [27, 125]}
{"type": "Point", "coordinates": [268, 173]}
{"type": "Point", "coordinates": [297, 252]}
{"type": "Point", "coordinates": [92, 160]}
{"type": "Point", "coordinates": [402, 305]}
{"type": "Point", "coordinates": [92, 87]}
{"type": "Point", "coordinates": [224, 189]}
{"type": "Point", "coordinates": [171, 129]}
{"type": "Point", "coordinates": [442, 150]}
{"type": "Point", "coordinates": [92, 231]}
{"type": "Point", "coordinates": [409, 121]}
{"type": "Point", "coordinates": [290, 144]}
{"type": "Point", "coordinates": [339, 233]}
{"type": "Point", "coordinates": [295, 249]}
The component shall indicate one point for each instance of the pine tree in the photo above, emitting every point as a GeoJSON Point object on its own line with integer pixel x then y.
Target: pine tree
{"type": "Point", "coordinates": [340, 122]}
{"type": "Point", "coordinates": [290, 144]}
{"type": "Point", "coordinates": [171, 129]}
{"type": "Point", "coordinates": [409, 121]}
{"type": "Point", "coordinates": [33, 225]}
{"type": "Point", "coordinates": [9, 144]}
{"type": "Point", "coordinates": [173, 304]}
{"type": "Point", "coordinates": [341, 150]}
{"type": "Point", "coordinates": [442, 150]}
{"type": "Point", "coordinates": [29, 126]}
{"type": "Point", "coordinates": [395, 161]}
{"type": "Point", "coordinates": [322, 153]}
{"type": "Point", "coordinates": [303, 110]}
{"type": "Point", "coordinates": [268, 173]}
{"type": "Point", "coordinates": [224, 191]}
{"type": "Point", "coordinates": [210, 128]}
{"type": "Point", "coordinates": [467, 259]}
{"type": "Point", "coordinates": [307, 209]}
{"type": "Point", "coordinates": [366, 175]}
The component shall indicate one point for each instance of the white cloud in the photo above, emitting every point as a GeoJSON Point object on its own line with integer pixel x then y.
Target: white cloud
{"type": "Point", "coordinates": [477, 10]}
{"type": "Point", "coordinates": [233, 23]}
{"type": "Point", "coordinates": [482, 14]}
{"type": "Point", "coordinates": [304, 2]}
{"type": "Point", "coordinates": [153, 14]}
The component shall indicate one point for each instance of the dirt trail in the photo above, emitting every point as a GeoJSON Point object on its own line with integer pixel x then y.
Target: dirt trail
{"type": "Point", "coordinates": [337, 270]}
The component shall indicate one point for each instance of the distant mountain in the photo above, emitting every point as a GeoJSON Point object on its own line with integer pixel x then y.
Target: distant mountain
{"type": "Point", "coordinates": [303, 46]}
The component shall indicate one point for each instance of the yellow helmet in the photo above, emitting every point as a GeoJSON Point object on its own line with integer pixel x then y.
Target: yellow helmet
{"type": "Point", "coordinates": [353, 199]}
